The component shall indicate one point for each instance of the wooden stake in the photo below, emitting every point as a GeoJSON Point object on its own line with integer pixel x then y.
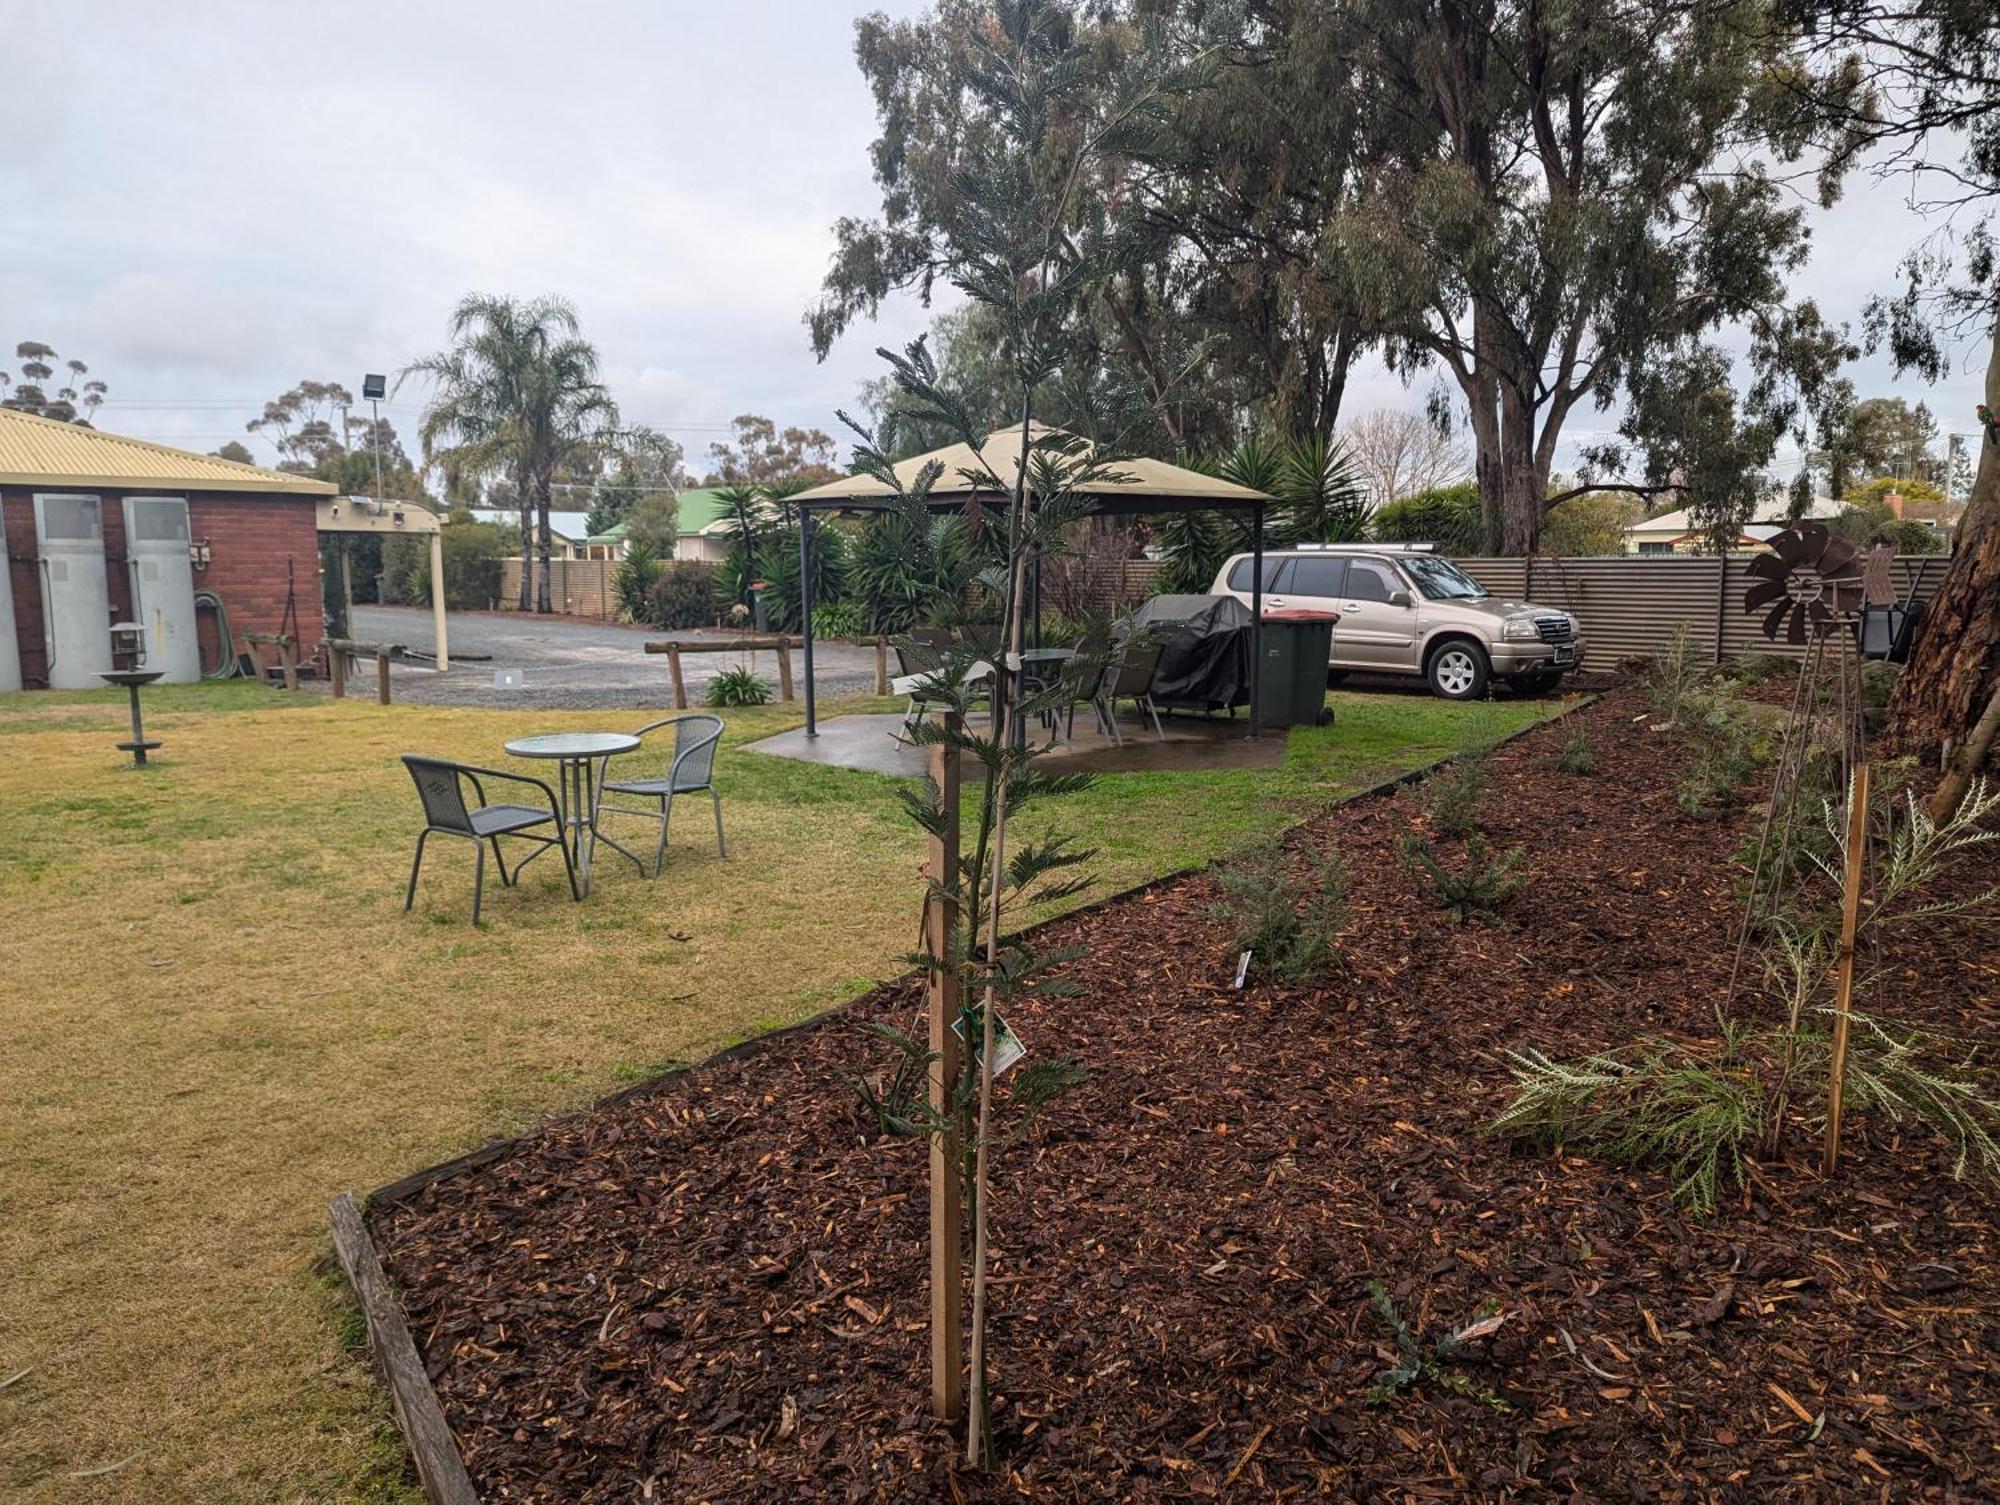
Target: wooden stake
{"type": "Point", "coordinates": [1850, 913]}
{"type": "Point", "coordinates": [336, 663]}
{"type": "Point", "coordinates": [881, 666]}
{"type": "Point", "coordinates": [943, 999]}
{"type": "Point", "coordinates": [382, 678]}
{"type": "Point", "coordinates": [784, 671]}
{"type": "Point", "coordinates": [680, 684]}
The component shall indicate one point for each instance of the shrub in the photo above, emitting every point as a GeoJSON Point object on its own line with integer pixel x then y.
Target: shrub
{"type": "Point", "coordinates": [1290, 927]}
{"type": "Point", "coordinates": [1451, 797]}
{"type": "Point", "coordinates": [638, 572]}
{"type": "Point", "coordinates": [843, 619]}
{"type": "Point", "coordinates": [1416, 1363]}
{"type": "Point", "coordinates": [1725, 742]}
{"type": "Point", "coordinates": [1448, 516]}
{"type": "Point", "coordinates": [738, 686]}
{"type": "Point", "coordinates": [1478, 890]}
{"type": "Point", "coordinates": [897, 1102]}
{"type": "Point", "coordinates": [683, 595]}
{"type": "Point", "coordinates": [472, 554]}
{"type": "Point", "coordinates": [1669, 677]}
{"type": "Point", "coordinates": [1576, 754]}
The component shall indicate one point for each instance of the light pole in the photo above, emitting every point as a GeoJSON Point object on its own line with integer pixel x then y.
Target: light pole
{"type": "Point", "coordinates": [375, 388]}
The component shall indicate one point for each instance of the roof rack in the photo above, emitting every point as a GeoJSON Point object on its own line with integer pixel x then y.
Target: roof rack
{"type": "Point", "coordinates": [1368, 548]}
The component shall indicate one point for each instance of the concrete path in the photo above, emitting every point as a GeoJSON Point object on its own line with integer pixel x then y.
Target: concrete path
{"type": "Point", "coordinates": [570, 664]}
{"type": "Point", "coordinates": [1190, 743]}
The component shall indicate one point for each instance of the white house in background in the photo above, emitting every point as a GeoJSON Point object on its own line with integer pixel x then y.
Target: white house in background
{"type": "Point", "coordinates": [1677, 533]}
{"type": "Point", "coordinates": [569, 532]}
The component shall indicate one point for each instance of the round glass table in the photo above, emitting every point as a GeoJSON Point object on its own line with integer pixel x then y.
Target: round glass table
{"type": "Point", "coordinates": [579, 757]}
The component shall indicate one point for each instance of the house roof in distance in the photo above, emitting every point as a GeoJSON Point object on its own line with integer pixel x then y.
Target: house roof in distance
{"type": "Point", "coordinates": [1134, 485]}
{"type": "Point", "coordinates": [36, 451]}
{"type": "Point", "coordinates": [1770, 514]}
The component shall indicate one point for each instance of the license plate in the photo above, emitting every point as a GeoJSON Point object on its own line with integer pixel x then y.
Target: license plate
{"type": "Point", "coordinates": [1565, 655]}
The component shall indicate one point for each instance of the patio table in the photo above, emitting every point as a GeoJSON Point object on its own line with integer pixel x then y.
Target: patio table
{"type": "Point", "coordinates": [579, 756]}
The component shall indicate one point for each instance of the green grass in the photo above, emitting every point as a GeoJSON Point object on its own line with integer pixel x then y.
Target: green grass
{"type": "Point", "coordinates": [218, 1016]}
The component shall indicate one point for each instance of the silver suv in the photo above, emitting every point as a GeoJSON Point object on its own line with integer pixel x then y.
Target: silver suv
{"type": "Point", "coordinates": [1406, 610]}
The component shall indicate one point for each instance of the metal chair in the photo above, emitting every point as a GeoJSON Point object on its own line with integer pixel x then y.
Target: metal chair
{"type": "Point", "coordinates": [1129, 676]}
{"type": "Point", "coordinates": [691, 771]}
{"type": "Point", "coordinates": [441, 786]}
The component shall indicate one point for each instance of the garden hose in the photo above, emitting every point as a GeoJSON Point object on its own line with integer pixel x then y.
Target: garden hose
{"type": "Point", "coordinates": [230, 666]}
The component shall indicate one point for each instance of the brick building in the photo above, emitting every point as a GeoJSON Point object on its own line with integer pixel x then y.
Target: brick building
{"type": "Point", "coordinates": [246, 526]}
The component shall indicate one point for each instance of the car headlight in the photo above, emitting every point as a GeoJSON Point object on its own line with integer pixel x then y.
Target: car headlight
{"type": "Point", "coordinates": [1516, 628]}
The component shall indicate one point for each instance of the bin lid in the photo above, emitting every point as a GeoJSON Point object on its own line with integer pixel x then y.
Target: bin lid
{"type": "Point", "coordinates": [1300, 614]}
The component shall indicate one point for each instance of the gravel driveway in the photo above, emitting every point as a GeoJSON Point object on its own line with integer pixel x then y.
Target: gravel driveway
{"type": "Point", "coordinates": [568, 664]}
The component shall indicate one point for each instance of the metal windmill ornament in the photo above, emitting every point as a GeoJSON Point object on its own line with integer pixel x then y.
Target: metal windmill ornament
{"type": "Point", "coordinates": [1803, 582]}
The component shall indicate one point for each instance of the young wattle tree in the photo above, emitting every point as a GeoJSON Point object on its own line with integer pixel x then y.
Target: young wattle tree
{"type": "Point", "coordinates": [1041, 126]}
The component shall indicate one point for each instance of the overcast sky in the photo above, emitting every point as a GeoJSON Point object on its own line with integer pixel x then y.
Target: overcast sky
{"type": "Point", "coordinates": [209, 201]}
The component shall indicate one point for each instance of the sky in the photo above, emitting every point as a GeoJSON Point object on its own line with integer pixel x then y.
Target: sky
{"type": "Point", "coordinates": [210, 201]}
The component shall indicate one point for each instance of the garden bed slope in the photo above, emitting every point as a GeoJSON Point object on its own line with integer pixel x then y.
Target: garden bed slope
{"type": "Point", "coordinates": [717, 1291]}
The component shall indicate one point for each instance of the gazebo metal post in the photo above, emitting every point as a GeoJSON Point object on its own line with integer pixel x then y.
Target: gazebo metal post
{"type": "Point", "coordinates": [807, 528]}
{"type": "Point", "coordinates": [1256, 609]}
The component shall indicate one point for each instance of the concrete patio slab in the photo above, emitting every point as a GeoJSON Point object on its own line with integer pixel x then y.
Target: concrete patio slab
{"type": "Point", "coordinates": [1192, 744]}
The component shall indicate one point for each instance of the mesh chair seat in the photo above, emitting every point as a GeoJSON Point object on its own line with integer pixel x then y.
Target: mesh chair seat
{"type": "Point", "coordinates": [653, 787]}
{"type": "Point", "coordinates": [498, 820]}
{"type": "Point", "coordinates": [691, 771]}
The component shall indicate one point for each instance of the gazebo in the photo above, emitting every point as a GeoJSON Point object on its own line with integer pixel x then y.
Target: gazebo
{"type": "Point", "coordinates": [1131, 487]}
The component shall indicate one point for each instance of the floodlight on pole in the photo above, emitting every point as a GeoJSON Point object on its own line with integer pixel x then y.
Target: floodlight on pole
{"type": "Point", "coordinates": [375, 388]}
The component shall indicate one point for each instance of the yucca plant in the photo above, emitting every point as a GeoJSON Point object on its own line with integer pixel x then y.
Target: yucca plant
{"type": "Point", "coordinates": [738, 685]}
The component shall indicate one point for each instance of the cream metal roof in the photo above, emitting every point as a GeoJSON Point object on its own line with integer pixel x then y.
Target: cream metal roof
{"type": "Point", "coordinates": [1137, 485]}
{"type": "Point", "coordinates": [41, 452]}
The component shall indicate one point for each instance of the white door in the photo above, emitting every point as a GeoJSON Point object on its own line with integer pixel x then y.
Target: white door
{"type": "Point", "coordinates": [161, 579]}
{"type": "Point", "coordinates": [1374, 633]}
{"type": "Point", "coordinates": [76, 601]}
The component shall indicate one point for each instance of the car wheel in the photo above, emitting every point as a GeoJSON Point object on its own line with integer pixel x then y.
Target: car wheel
{"type": "Point", "coordinates": [1458, 671]}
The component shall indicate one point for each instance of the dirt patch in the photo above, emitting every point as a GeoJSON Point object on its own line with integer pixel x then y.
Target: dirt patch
{"type": "Point", "coordinates": [717, 1292]}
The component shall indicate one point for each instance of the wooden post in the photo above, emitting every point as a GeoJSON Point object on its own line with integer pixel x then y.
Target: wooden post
{"type": "Point", "coordinates": [288, 661]}
{"type": "Point", "coordinates": [881, 666]}
{"type": "Point", "coordinates": [1850, 912]}
{"type": "Point", "coordinates": [680, 684]}
{"type": "Point", "coordinates": [256, 652]}
{"type": "Point", "coordinates": [382, 678]}
{"type": "Point", "coordinates": [942, 996]}
{"type": "Point", "coordinates": [336, 664]}
{"type": "Point", "coordinates": [784, 670]}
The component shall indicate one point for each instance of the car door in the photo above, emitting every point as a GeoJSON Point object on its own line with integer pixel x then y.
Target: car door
{"type": "Point", "coordinates": [1277, 573]}
{"type": "Point", "coordinates": [1373, 632]}
{"type": "Point", "coordinates": [1315, 584]}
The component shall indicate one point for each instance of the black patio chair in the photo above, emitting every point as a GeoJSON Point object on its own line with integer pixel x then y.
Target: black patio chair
{"type": "Point", "coordinates": [691, 770]}
{"type": "Point", "coordinates": [441, 786]}
{"type": "Point", "coordinates": [1128, 676]}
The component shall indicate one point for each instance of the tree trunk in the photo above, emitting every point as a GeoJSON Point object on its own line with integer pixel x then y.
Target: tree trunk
{"type": "Point", "coordinates": [1482, 397]}
{"type": "Point", "coordinates": [542, 542]}
{"type": "Point", "coordinates": [524, 496]}
{"type": "Point", "coordinates": [1522, 483]}
{"type": "Point", "coordinates": [1955, 666]}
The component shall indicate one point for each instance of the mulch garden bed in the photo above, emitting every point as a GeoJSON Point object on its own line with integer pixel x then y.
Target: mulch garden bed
{"type": "Point", "coordinates": [717, 1291]}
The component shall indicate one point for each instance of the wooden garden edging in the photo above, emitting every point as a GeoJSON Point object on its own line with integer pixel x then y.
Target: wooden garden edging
{"type": "Point", "coordinates": [414, 1400]}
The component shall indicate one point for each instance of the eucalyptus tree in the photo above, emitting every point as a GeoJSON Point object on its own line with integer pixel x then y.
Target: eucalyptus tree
{"type": "Point", "coordinates": [1553, 197]}
{"type": "Point", "coordinates": [1910, 90]}
{"type": "Point", "coordinates": [72, 398]}
{"type": "Point", "coordinates": [516, 395]}
{"type": "Point", "coordinates": [1038, 120]}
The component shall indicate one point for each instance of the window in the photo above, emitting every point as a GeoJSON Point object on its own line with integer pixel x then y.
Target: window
{"type": "Point", "coordinates": [1368, 580]}
{"type": "Point", "coordinates": [1315, 577]}
{"type": "Point", "coordinates": [1656, 548]}
{"type": "Point", "coordinates": [1274, 570]}
{"type": "Point", "coordinates": [1441, 580]}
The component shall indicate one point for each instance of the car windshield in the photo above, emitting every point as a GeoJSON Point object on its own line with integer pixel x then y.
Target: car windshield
{"type": "Point", "coordinates": [1440, 579]}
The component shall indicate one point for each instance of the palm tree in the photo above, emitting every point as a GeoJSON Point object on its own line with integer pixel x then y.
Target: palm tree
{"type": "Point", "coordinates": [516, 394]}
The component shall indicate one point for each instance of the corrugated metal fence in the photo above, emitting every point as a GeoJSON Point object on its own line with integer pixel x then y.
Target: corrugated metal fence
{"type": "Point", "coordinates": [1630, 604]}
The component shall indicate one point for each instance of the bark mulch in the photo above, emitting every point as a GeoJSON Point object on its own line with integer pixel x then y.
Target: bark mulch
{"type": "Point", "coordinates": [718, 1291]}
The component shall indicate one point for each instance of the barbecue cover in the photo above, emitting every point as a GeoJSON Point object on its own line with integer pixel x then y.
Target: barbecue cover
{"type": "Point", "coordinates": [1205, 657]}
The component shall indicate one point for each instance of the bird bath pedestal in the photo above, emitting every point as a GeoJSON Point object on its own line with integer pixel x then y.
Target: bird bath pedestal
{"type": "Point", "coordinates": [131, 679]}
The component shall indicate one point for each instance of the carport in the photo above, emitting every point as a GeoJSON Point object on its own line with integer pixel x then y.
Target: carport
{"type": "Point", "coordinates": [361, 514]}
{"type": "Point", "coordinates": [967, 481]}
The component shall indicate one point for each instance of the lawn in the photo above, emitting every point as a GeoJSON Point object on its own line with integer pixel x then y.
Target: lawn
{"type": "Point", "coordinates": [217, 1015]}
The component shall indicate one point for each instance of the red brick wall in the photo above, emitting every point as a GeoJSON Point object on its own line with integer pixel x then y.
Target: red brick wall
{"type": "Point", "coordinates": [249, 538]}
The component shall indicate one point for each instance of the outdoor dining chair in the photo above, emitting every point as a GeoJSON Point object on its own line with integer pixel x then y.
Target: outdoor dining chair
{"type": "Point", "coordinates": [1127, 676]}
{"type": "Point", "coordinates": [441, 787]}
{"type": "Point", "coordinates": [690, 770]}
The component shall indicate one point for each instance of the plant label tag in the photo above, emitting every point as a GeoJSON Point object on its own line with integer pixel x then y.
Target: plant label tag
{"type": "Point", "coordinates": [1242, 971]}
{"type": "Point", "coordinates": [506, 679]}
{"type": "Point", "coordinates": [1008, 1051]}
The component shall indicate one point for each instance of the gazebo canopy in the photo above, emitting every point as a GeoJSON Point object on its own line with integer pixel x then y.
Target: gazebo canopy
{"type": "Point", "coordinates": [1135, 485]}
